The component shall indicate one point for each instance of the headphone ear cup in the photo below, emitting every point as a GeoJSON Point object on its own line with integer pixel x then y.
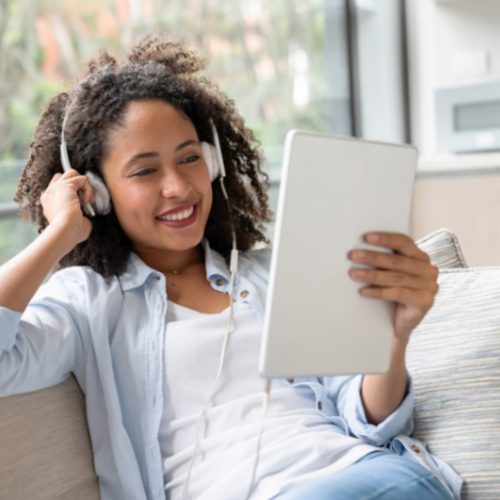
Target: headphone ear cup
{"type": "Point", "coordinates": [102, 205]}
{"type": "Point", "coordinates": [211, 159]}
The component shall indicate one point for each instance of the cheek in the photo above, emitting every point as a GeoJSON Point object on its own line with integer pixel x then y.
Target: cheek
{"type": "Point", "coordinates": [205, 189]}
{"type": "Point", "coordinates": [209, 196]}
{"type": "Point", "coordinates": [199, 179]}
{"type": "Point", "coordinates": [131, 201]}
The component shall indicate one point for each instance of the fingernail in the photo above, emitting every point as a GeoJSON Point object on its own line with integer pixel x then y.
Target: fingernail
{"type": "Point", "coordinates": [359, 273]}
{"type": "Point", "coordinates": [359, 254]}
{"type": "Point", "coordinates": [373, 237]}
{"type": "Point", "coordinates": [366, 292]}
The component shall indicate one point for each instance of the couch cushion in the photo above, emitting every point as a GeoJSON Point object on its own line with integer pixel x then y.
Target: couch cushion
{"type": "Point", "coordinates": [45, 446]}
{"type": "Point", "coordinates": [443, 249]}
{"type": "Point", "coordinates": [454, 358]}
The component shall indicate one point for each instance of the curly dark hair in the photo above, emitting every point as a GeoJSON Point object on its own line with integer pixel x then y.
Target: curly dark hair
{"type": "Point", "coordinates": [154, 69]}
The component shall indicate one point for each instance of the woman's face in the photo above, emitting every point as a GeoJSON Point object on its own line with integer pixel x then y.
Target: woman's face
{"type": "Point", "coordinates": [157, 178]}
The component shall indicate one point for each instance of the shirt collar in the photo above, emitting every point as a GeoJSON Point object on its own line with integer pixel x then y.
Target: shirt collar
{"type": "Point", "coordinates": [138, 271]}
{"type": "Point", "coordinates": [214, 263]}
{"type": "Point", "coordinates": [136, 274]}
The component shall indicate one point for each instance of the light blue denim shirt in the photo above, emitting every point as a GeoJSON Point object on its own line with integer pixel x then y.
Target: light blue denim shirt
{"type": "Point", "coordinates": [109, 333]}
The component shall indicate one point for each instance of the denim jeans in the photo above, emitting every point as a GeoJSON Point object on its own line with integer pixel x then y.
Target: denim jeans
{"type": "Point", "coordinates": [377, 476]}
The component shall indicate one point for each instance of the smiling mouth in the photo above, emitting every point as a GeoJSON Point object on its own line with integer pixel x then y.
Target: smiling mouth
{"type": "Point", "coordinates": [180, 215]}
{"type": "Point", "coordinates": [180, 218]}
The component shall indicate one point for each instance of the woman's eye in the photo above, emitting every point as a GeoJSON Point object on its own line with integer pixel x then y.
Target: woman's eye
{"type": "Point", "coordinates": [190, 159]}
{"type": "Point", "coordinates": [143, 172]}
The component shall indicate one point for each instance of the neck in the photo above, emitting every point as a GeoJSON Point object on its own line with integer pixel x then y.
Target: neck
{"type": "Point", "coordinates": [168, 261]}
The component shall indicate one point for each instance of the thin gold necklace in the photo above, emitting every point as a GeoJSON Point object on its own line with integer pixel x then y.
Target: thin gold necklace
{"type": "Point", "coordinates": [178, 271]}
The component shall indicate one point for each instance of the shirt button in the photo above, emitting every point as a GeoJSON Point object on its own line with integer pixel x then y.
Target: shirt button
{"type": "Point", "coordinates": [415, 448]}
{"type": "Point", "coordinates": [290, 380]}
{"type": "Point", "coordinates": [157, 278]}
{"type": "Point", "coordinates": [219, 282]}
{"type": "Point", "coordinates": [320, 405]}
{"type": "Point", "coordinates": [244, 294]}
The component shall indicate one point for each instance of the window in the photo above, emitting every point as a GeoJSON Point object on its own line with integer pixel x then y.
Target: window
{"type": "Point", "coordinates": [286, 63]}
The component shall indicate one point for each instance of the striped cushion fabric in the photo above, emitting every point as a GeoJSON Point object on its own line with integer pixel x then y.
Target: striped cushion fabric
{"type": "Point", "coordinates": [454, 358]}
{"type": "Point", "coordinates": [444, 249]}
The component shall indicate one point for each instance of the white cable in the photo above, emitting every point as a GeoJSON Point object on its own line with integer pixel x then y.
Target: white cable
{"type": "Point", "coordinates": [265, 405]}
{"type": "Point", "coordinates": [233, 268]}
{"type": "Point", "coordinates": [224, 344]}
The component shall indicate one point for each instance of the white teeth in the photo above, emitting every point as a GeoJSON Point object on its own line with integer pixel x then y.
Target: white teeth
{"type": "Point", "coordinates": [184, 214]}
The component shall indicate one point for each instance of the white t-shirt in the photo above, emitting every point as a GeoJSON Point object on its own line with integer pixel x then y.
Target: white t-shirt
{"type": "Point", "coordinates": [298, 443]}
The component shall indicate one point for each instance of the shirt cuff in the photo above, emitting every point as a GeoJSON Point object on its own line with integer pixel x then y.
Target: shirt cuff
{"type": "Point", "coordinates": [9, 326]}
{"type": "Point", "coordinates": [399, 422]}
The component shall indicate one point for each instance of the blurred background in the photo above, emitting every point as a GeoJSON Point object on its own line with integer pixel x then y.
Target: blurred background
{"type": "Point", "coordinates": [425, 72]}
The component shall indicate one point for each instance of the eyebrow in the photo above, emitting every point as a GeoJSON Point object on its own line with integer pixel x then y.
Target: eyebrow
{"type": "Point", "coordinates": [154, 154]}
{"type": "Point", "coordinates": [140, 156]}
{"type": "Point", "coordinates": [186, 144]}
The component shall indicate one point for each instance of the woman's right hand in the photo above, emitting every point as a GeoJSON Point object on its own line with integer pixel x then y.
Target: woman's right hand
{"type": "Point", "coordinates": [22, 275]}
{"type": "Point", "coordinates": [61, 203]}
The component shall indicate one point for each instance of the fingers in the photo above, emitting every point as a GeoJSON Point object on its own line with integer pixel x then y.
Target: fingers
{"type": "Point", "coordinates": [391, 279]}
{"type": "Point", "coordinates": [55, 179]}
{"type": "Point", "coordinates": [68, 175]}
{"type": "Point", "coordinates": [400, 243]}
{"type": "Point", "coordinates": [394, 262]}
{"type": "Point", "coordinates": [86, 189]}
{"type": "Point", "coordinates": [422, 301]}
{"type": "Point", "coordinates": [62, 176]}
{"type": "Point", "coordinates": [79, 183]}
{"type": "Point", "coordinates": [406, 277]}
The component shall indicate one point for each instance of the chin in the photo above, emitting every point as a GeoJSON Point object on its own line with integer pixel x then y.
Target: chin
{"type": "Point", "coordinates": [161, 238]}
{"type": "Point", "coordinates": [179, 242]}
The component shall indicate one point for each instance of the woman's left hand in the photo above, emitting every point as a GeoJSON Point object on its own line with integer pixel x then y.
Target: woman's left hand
{"type": "Point", "coordinates": [406, 277]}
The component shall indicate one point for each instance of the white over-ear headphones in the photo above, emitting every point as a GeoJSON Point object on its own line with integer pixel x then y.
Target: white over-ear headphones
{"type": "Point", "coordinates": [102, 204]}
{"type": "Point", "coordinates": [213, 156]}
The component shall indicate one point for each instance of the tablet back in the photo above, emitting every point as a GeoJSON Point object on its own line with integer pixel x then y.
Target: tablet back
{"type": "Point", "coordinates": [333, 190]}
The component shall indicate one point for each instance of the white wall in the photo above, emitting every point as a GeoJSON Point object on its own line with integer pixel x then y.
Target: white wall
{"type": "Point", "coordinates": [466, 202]}
{"type": "Point", "coordinates": [439, 32]}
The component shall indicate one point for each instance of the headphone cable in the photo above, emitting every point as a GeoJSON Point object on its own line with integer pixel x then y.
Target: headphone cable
{"type": "Point", "coordinates": [265, 405]}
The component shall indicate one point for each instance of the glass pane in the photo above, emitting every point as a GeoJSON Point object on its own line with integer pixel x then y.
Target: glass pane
{"type": "Point", "coordinates": [15, 234]}
{"type": "Point", "coordinates": [9, 174]}
{"type": "Point", "coordinates": [337, 68]}
{"type": "Point", "coordinates": [379, 37]}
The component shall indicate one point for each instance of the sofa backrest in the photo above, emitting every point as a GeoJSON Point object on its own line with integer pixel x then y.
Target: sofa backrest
{"type": "Point", "coordinates": [45, 446]}
{"type": "Point", "coordinates": [454, 359]}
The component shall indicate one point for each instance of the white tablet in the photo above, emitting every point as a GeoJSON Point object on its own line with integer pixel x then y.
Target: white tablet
{"type": "Point", "coordinates": [333, 191]}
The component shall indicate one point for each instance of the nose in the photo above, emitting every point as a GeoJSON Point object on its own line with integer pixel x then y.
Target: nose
{"type": "Point", "coordinates": [174, 184]}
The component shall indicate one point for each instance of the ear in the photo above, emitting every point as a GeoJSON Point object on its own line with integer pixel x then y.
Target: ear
{"type": "Point", "coordinates": [211, 159]}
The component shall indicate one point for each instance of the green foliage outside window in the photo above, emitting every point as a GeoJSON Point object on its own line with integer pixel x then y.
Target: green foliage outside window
{"type": "Point", "coordinates": [267, 55]}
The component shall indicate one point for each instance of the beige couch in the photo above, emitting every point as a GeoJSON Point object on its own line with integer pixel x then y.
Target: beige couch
{"type": "Point", "coordinates": [46, 451]}
{"type": "Point", "coordinates": [45, 446]}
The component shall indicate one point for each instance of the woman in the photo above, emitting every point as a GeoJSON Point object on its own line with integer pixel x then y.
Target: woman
{"type": "Point", "coordinates": [139, 306]}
